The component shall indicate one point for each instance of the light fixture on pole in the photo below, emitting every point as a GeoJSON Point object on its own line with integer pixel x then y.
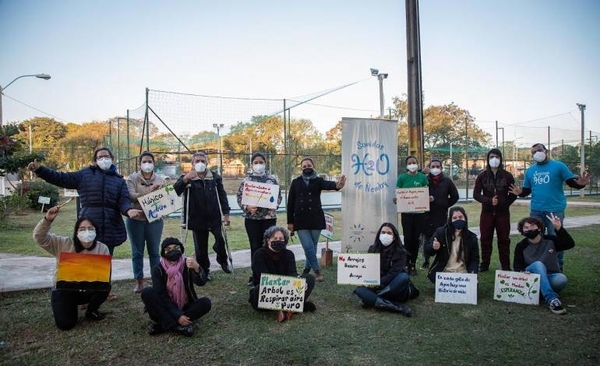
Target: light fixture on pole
{"type": "Point", "coordinates": [39, 76]}
{"type": "Point", "coordinates": [218, 126]}
{"type": "Point", "coordinates": [380, 77]}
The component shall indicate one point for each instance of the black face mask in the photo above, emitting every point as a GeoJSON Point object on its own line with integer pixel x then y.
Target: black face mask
{"type": "Point", "coordinates": [459, 224]}
{"type": "Point", "coordinates": [173, 255]}
{"type": "Point", "coordinates": [308, 171]}
{"type": "Point", "coordinates": [530, 234]}
{"type": "Point", "coordinates": [277, 245]}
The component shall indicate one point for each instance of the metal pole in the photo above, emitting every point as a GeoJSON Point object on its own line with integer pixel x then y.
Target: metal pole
{"type": "Point", "coordinates": [496, 134]}
{"type": "Point", "coordinates": [128, 150]}
{"type": "Point", "coordinates": [415, 87]}
{"type": "Point", "coordinates": [1, 95]}
{"type": "Point", "coordinates": [582, 148]}
{"type": "Point", "coordinates": [381, 102]}
{"type": "Point", "coordinates": [31, 140]}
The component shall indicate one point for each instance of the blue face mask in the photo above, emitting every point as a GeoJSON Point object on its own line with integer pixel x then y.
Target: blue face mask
{"type": "Point", "coordinates": [459, 224]}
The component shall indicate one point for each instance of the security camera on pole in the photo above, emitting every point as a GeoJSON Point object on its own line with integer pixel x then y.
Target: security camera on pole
{"type": "Point", "coordinates": [380, 77]}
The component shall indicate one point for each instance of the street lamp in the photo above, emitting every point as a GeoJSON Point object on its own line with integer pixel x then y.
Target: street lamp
{"type": "Point", "coordinates": [218, 126]}
{"type": "Point", "coordinates": [500, 128]}
{"type": "Point", "coordinates": [582, 148]}
{"type": "Point", "coordinates": [380, 77]}
{"type": "Point", "coordinates": [39, 76]}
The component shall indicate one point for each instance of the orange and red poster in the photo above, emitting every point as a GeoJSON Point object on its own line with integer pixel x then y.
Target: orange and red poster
{"type": "Point", "coordinates": [83, 271]}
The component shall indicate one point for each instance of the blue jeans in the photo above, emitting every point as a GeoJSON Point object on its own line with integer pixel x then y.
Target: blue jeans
{"type": "Point", "coordinates": [397, 290]}
{"type": "Point", "coordinates": [142, 233]}
{"type": "Point", "coordinates": [551, 284]}
{"type": "Point", "coordinates": [310, 240]}
{"type": "Point", "coordinates": [550, 228]}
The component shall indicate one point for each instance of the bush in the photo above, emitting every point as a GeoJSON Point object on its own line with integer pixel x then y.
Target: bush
{"type": "Point", "coordinates": [33, 190]}
{"type": "Point", "coordinates": [10, 205]}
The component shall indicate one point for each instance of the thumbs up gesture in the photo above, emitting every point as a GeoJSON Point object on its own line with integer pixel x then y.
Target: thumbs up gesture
{"type": "Point", "coordinates": [436, 244]}
{"type": "Point", "coordinates": [33, 165]}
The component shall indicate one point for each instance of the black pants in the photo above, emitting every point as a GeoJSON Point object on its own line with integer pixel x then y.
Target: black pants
{"type": "Point", "coordinates": [256, 230]}
{"type": "Point", "coordinates": [254, 291]}
{"type": "Point", "coordinates": [412, 228]}
{"type": "Point", "coordinates": [64, 305]}
{"type": "Point", "coordinates": [161, 315]}
{"type": "Point", "coordinates": [201, 247]}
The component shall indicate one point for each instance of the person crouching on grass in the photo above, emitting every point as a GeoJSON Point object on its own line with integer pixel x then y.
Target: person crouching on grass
{"type": "Point", "coordinates": [539, 254]}
{"type": "Point", "coordinates": [171, 302]}
{"type": "Point", "coordinates": [274, 258]}
{"type": "Point", "coordinates": [65, 301]}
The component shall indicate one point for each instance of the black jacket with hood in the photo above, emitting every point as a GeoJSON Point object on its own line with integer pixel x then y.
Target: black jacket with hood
{"type": "Point", "coordinates": [488, 185]}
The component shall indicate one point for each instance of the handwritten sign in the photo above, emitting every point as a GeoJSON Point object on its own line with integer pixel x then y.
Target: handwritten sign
{"type": "Point", "coordinates": [522, 288]}
{"type": "Point", "coordinates": [160, 203]}
{"type": "Point", "coordinates": [456, 288]}
{"type": "Point", "coordinates": [70, 193]}
{"type": "Point", "coordinates": [412, 199]}
{"type": "Point", "coordinates": [358, 269]}
{"type": "Point", "coordinates": [281, 293]}
{"type": "Point", "coordinates": [260, 194]}
{"type": "Point", "coordinates": [328, 231]}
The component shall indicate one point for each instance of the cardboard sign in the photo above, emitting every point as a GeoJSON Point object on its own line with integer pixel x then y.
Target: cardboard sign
{"type": "Point", "coordinates": [78, 271]}
{"type": "Point", "coordinates": [70, 193]}
{"type": "Point", "coordinates": [358, 269]}
{"type": "Point", "coordinates": [281, 293]}
{"type": "Point", "coordinates": [44, 200]}
{"type": "Point", "coordinates": [522, 288]}
{"type": "Point", "coordinates": [456, 288]}
{"type": "Point", "coordinates": [260, 194]}
{"type": "Point", "coordinates": [412, 199]}
{"type": "Point", "coordinates": [160, 203]}
{"type": "Point", "coordinates": [328, 231]}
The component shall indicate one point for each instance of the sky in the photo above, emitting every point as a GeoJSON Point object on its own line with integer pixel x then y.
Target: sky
{"type": "Point", "coordinates": [523, 63]}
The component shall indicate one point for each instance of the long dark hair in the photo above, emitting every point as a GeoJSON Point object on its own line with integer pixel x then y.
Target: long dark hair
{"type": "Point", "coordinates": [397, 243]}
{"type": "Point", "coordinates": [451, 232]}
{"type": "Point", "coordinates": [78, 246]}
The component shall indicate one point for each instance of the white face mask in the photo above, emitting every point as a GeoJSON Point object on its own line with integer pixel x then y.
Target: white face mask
{"type": "Point", "coordinates": [200, 167]}
{"type": "Point", "coordinates": [494, 162]}
{"type": "Point", "coordinates": [435, 171]}
{"type": "Point", "coordinates": [86, 237]}
{"type": "Point", "coordinates": [412, 167]}
{"type": "Point", "coordinates": [386, 239]}
{"type": "Point", "coordinates": [104, 163]}
{"type": "Point", "coordinates": [258, 168]}
{"type": "Point", "coordinates": [147, 167]}
{"type": "Point", "coordinates": [539, 156]}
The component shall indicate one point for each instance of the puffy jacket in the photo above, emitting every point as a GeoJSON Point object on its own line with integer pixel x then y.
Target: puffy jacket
{"type": "Point", "coordinates": [304, 209]}
{"type": "Point", "coordinates": [470, 250]}
{"type": "Point", "coordinates": [103, 197]}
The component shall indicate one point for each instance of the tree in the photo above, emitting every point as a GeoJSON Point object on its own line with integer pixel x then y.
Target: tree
{"type": "Point", "coordinates": [45, 134]}
{"type": "Point", "coordinates": [14, 156]}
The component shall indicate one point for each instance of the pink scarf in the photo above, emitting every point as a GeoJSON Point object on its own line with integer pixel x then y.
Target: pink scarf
{"type": "Point", "coordinates": [175, 285]}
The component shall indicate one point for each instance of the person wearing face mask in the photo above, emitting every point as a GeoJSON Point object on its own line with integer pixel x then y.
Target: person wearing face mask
{"type": "Point", "coordinates": [544, 181]}
{"type": "Point", "coordinates": [538, 253]}
{"type": "Point", "coordinates": [305, 214]}
{"type": "Point", "coordinates": [413, 223]}
{"type": "Point", "coordinates": [141, 232]}
{"type": "Point", "coordinates": [454, 246]}
{"type": "Point", "coordinates": [85, 241]}
{"type": "Point", "coordinates": [172, 302]}
{"type": "Point", "coordinates": [442, 195]}
{"type": "Point", "coordinates": [395, 286]}
{"type": "Point", "coordinates": [257, 219]}
{"type": "Point", "coordinates": [275, 258]}
{"type": "Point", "coordinates": [492, 190]}
{"type": "Point", "coordinates": [206, 210]}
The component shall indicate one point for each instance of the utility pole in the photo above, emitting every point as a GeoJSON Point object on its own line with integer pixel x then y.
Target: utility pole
{"type": "Point", "coordinates": [582, 147]}
{"type": "Point", "coordinates": [415, 86]}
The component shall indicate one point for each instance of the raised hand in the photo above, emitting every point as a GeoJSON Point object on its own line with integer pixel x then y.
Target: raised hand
{"type": "Point", "coordinates": [515, 189]}
{"type": "Point", "coordinates": [555, 221]}
{"type": "Point", "coordinates": [52, 213]}
{"type": "Point", "coordinates": [33, 165]}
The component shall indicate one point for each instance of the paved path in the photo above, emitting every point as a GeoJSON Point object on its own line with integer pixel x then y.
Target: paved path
{"type": "Point", "coordinates": [19, 272]}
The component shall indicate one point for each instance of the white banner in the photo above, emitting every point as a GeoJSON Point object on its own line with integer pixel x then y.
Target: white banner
{"type": "Point", "coordinates": [369, 161]}
{"type": "Point", "coordinates": [160, 203]}
{"type": "Point", "coordinates": [358, 269]}
{"type": "Point", "coordinates": [281, 293]}
{"type": "Point", "coordinates": [260, 194]}
{"type": "Point", "coordinates": [522, 288]}
{"type": "Point", "coordinates": [456, 288]}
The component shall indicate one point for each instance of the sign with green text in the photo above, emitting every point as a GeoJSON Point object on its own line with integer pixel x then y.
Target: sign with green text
{"type": "Point", "coordinates": [519, 287]}
{"type": "Point", "coordinates": [281, 293]}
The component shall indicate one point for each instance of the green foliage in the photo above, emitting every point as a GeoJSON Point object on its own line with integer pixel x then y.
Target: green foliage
{"type": "Point", "coordinates": [13, 155]}
{"type": "Point", "coordinates": [34, 189]}
{"type": "Point", "coordinates": [11, 204]}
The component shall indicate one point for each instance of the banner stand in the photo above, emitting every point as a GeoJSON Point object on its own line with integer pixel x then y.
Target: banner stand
{"type": "Point", "coordinates": [326, 255]}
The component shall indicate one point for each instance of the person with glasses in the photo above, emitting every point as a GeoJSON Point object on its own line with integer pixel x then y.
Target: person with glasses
{"type": "Point", "coordinates": [141, 232]}
{"type": "Point", "coordinates": [205, 210]}
{"type": "Point", "coordinates": [172, 302]}
{"type": "Point", "coordinates": [65, 301]}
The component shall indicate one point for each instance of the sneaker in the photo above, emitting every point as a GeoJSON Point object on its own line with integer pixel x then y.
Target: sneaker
{"type": "Point", "coordinates": [250, 282]}
{"type": "Point", "coordinates": [556, 307]}
{"type": "Point", "coordinates": [319, 277]}
{"type": "Point", "coordinates": [95, 315]}
{"type": "Point", "coordinates": [155, 329]}
{"type": "Point", "coordinates": [187, 330]}
{"type": "Point", "coordinates": [225, 267]}
{"type": "Point", "coordinates": [412, 271]}
{"type": "Point", "coordinates": [305, 271]}
{"type": "Point", "coordinates": [208, 277]}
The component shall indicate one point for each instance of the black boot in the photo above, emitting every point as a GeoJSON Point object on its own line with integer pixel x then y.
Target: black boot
{"type": "Point", "coordinates": [384, 304]}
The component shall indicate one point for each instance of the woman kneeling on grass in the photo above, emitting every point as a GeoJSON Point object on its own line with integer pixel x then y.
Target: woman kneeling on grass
{"type": "Point", "coordinates": [395, 282]}
{"type": "Point", "coordinates": [274, 258]}
{"type": "Point", "coordinates": [172, 302]}
{"type": "Point", "coordinates": [67, 296]}
{"type": "Point", "coordinates": [538, 254]}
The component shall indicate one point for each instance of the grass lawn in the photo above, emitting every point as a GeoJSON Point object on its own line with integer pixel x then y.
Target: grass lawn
{"type": "Point", "coordinates": [340, 332]}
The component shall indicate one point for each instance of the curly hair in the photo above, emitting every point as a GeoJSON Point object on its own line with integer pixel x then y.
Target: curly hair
{"type": "Point", "coordinates": [531, 221]}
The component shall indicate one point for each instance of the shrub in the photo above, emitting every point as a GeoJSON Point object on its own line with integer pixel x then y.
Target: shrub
{"type": "Point", "coordinates": [33, 190]}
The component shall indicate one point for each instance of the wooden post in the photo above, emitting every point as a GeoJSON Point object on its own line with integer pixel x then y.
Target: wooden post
{"type": "Point", "coordinates": [326, 255]}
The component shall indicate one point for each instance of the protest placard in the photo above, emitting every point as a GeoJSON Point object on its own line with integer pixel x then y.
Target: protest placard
{"type": "Point", "coordinates": [260, 194]}
{"type": "Point", "coordinates": [77, 271]}
{"type": "Point", "coordinates": [412, 199]}
{"type": "Point", "coordinates": [519, 287]}
{"type": "Point", "coordinates": [456, 288]}
{"type": "Point", "coordinates": [358, 269]}
{"type": "Point", "coordinates": [70, 193]}
{"type": "Point", "coordinates": [159, 203]}
{"type": "Point", "coordinates": [281, 293]}
{"type": "Point", "coordinates": [328, 231]}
